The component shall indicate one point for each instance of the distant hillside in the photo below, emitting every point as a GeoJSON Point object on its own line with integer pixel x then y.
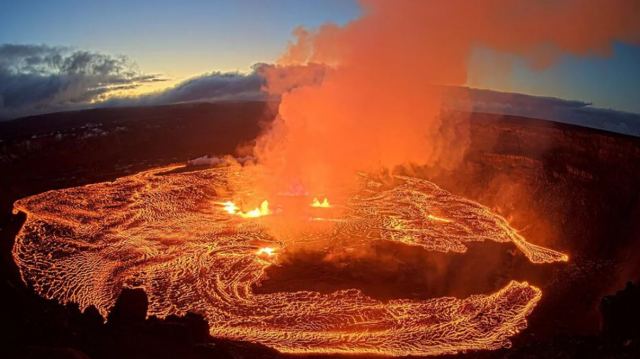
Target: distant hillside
{"type": "Point", "coordinates": [458, 98]}
{"type": "Point", "coordinates": [74, 146]}
{"type": "Point", "coordinates": [545, 108]}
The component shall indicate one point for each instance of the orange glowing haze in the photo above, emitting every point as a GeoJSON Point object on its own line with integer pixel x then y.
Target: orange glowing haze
{"type": "Point", "coordinates": [378, 105]}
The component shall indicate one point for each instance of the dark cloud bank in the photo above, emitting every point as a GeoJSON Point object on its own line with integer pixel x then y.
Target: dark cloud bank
{"type": "Point", "coordinates": [39, 79]}
{"type": "Point", "coordinates": [220, 86]}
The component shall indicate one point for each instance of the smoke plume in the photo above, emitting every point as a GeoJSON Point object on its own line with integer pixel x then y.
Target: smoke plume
{"type": "Point", "coordinates": [379, 104]}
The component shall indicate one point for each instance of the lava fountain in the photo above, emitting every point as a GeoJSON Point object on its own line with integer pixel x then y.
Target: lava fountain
{"type": "Point", "coordinates": [173, 235]}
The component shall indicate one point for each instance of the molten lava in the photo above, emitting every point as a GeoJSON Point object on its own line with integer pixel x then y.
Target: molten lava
{"type": "Point", "coordinates": [324, 204]}
{"type": "Point", "coordinates": [436, 218]}
{"type": "Point", "coordinates": [268, 251]}
{"type": "Point", "coordinates": [159, 231]}
{"type": "Point", "coordinates": [263, 210]}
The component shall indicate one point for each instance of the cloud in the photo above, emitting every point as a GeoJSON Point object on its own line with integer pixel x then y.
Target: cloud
{"type": "Point", "coordinates": [38, 79]}
{"type": "Point", "coordinates": [218, 86]}
{"type": "Point", "coordinates": [208, 87]}
{"type": "Point", "coordinates": [41, 78]}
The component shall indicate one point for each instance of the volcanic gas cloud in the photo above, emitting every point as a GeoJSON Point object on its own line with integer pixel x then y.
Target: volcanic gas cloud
{"type": "Point", "coordinates": [355, 99]}
{"type": "Point", "coordinates": [379, 101]}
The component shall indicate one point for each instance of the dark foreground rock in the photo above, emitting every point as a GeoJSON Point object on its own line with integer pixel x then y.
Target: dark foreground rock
{"type": "Point", "coordinates": [128, 333]}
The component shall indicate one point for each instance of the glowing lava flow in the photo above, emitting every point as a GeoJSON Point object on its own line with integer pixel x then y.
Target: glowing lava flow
{"type": "Point", "coordinates": [269, 251]}
{"type": "Point", "coordinates": [263, 210]}
{"type": "Point", "coordinates": [160, 232]}
{"type": "Point", "coordinates": [324, 204]}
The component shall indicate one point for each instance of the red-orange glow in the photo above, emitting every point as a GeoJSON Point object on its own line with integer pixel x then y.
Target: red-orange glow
{"type": "Point", "coordinates": [379, 102]}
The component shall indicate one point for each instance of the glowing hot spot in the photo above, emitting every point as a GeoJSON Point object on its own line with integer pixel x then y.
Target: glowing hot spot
{"type": "Point", "coordinates": [268, 251]}
{"type": "Point", "coordinates": [232, 208]}
{"type": "Point", "coordinates": [438, 219]}
{"type": "Point", "coordinates": [323, 204]}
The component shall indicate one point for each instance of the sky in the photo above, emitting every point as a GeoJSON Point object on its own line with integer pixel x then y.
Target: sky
{"type": "Point", "coordinates": [611, 82]}
{"type": "Point", "coordinates": [178, 40]}
{"type": "Point", "coordinates": [175, 38]}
